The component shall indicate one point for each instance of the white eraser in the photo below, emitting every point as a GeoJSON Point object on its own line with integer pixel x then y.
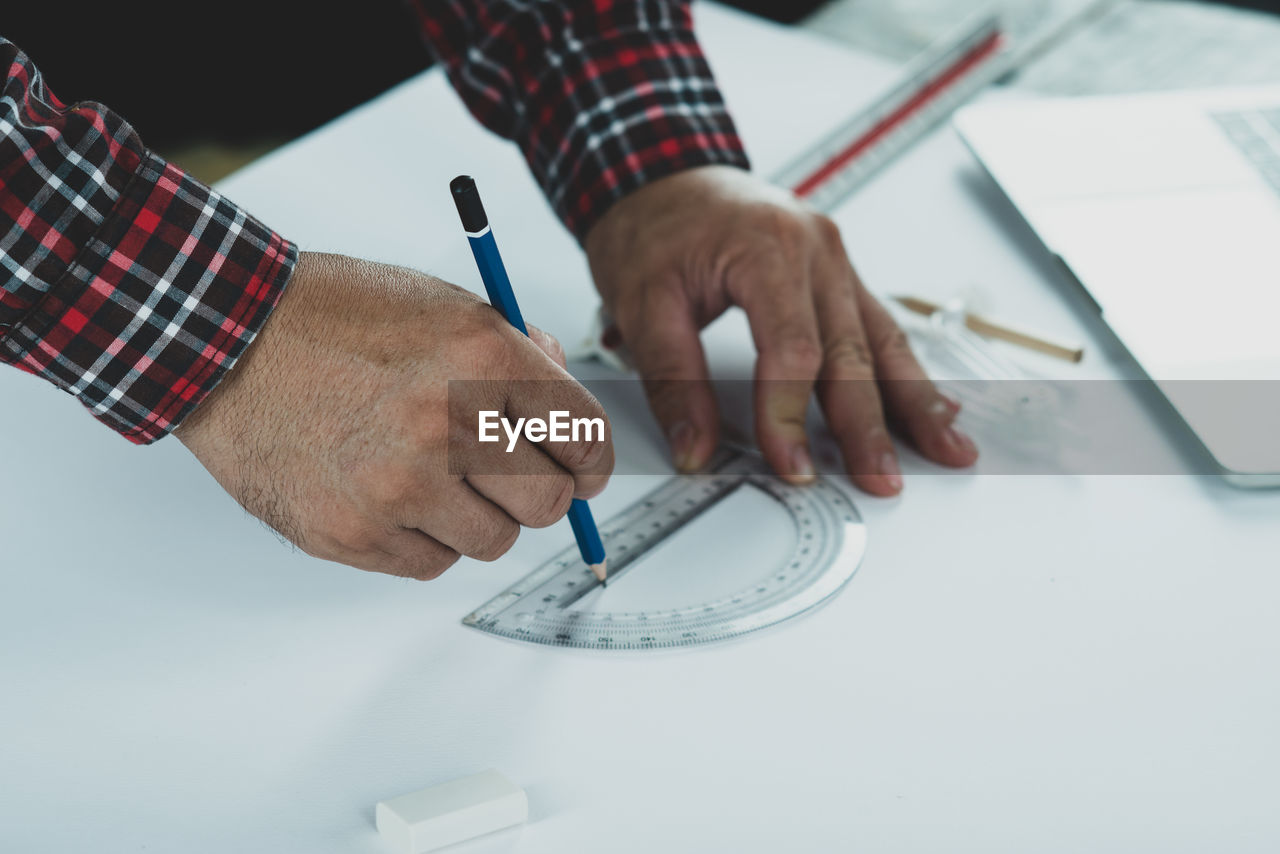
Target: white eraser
{"type": "Point", "coordinates": [451, 812]}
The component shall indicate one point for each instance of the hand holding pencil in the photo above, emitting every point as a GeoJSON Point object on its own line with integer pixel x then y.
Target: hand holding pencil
{"type": "Point", "coordinates": [498, 286]}
{"type": "Point", "coordinates": [354, 396]}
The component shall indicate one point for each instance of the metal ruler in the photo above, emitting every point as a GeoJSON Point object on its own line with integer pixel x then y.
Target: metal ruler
{"type": "Point", "coordinates": [931, 88]}
{"type": "Point", "coordinates": [547, 606]}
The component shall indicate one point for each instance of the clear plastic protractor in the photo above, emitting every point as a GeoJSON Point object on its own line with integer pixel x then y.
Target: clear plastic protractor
{"type": "Point", "coordinates": [544, 607]}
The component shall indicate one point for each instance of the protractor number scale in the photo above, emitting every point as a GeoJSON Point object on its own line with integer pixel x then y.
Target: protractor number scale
{"type": "Point", "coordinates": [544, 607]}
{"type": "Point", "coordinates": [931, 88]}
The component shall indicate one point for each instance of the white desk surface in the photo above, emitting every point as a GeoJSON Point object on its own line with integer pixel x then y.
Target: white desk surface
{"type": "Point", "coordinates": [1022, 663]}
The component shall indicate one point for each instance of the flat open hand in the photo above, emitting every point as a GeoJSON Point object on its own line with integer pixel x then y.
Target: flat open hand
{"type": "Point", "coordinates": [672, 256]}
{"type": "Point", "coordinates": [340, 428]}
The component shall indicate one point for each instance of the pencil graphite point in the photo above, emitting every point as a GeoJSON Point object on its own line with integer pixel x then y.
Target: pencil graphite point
{"type": "Point", "coordinates": [601, 570]}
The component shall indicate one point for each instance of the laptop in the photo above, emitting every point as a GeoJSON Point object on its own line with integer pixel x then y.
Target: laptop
{"type": "Point", "coordinates": [1166, 209]}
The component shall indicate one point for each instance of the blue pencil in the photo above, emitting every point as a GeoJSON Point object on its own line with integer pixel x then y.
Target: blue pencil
{"type": "Point", "coordinates": [496, 283]}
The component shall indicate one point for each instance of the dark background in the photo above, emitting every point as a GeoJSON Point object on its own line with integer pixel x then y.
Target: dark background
{"type": "Point", "coordinates": [239, 72]}
{"type": "Point", "coordinates": [235, 71]}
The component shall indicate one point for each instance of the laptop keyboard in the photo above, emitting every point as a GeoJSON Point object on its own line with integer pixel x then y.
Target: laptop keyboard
{"type": "Point", "coordinates": [1257, 134]}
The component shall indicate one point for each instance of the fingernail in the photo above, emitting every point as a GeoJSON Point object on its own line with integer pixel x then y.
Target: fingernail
{"type": "Point", "coordinates": [944, 409]}
{"type": "Point", "coordinates": [960, 442]}
{"type": "Point", "coordinates": [801, 463]}
{"type": "Point", "coordinates": [681, 437]}
{"type": "Point", "coordinates": [890, 471]}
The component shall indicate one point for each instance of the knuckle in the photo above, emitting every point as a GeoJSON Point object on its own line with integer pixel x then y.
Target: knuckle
{"type": "Point", "coordinates": [894, 341]}
{"type": "Point", "coordinates": [550, 508]}
{"type": "Point", "coordinates": [605, 468]}
{"type": "Point", "coordinates": [401, 567]}
{"type": "Point", "coordinates": [390, 488]}
{"type": "Point", "coordinates": [588, 450]}
{"type": "Point", "coordinates": [829, 232]}
{"type": "Point", "coordinates": [777, 233]}
{"type": "Point", "coordinates": [577, 456]}
{"type": "Point", "coordinates": [496, 540]}
{"type": "Point", "coordinates": [778, 220]}
{"type": "Point", "coordinates": [848, 354]}
{"type": "Point", "coordinates": [434, 567]}
{"type": "Point", "coordinates": [590, 487]}
{"type": "Point", "coordinates": [663, 367]}
{"type": "Point", "coordinates": [350, 533]}
{"type": "Point", "coordinates": [487, 338]}
{"type": "Point", "coordinates": [799, 351]}
{"type": "Point", "coordinates": [790, 239]}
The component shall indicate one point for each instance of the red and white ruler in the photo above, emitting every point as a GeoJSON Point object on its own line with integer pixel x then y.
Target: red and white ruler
{"type": "Point", "coordinates": [932, 87]}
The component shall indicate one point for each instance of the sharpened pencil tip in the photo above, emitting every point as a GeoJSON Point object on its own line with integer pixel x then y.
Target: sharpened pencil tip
{"type": "Point", "coordinates": [601, 570]}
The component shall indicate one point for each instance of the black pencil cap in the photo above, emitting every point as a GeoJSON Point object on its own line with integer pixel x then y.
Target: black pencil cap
{"type": "Point", "coordinates": [467, 198]}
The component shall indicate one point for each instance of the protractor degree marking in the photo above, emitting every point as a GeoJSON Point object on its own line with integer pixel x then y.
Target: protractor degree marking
{"type": "Point", "coordinates": [828, 548]}
{"type": "Point", "coordinates": [696, 499]}
{"type": "Point", "coordinates": [623, 561]}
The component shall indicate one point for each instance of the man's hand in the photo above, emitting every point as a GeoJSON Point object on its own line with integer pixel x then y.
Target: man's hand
{"type": "Point", "coordinates": [672, 256]}
{"type": "Point", "coordinates": [339, 427]}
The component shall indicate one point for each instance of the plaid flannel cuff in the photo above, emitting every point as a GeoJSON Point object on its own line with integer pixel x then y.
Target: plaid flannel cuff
{"type": "Point", "coordinates": [619, 111]}
{"type": "Point", "coordinates": [157, 306]}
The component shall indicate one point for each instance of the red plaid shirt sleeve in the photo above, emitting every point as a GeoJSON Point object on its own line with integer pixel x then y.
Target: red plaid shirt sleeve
{"type": "Point", "coordinates": [602, 96]}
{"type": "Point", "coordinates": [135, 288]}
{"type": "Point", "coordinates": [122, 280]}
